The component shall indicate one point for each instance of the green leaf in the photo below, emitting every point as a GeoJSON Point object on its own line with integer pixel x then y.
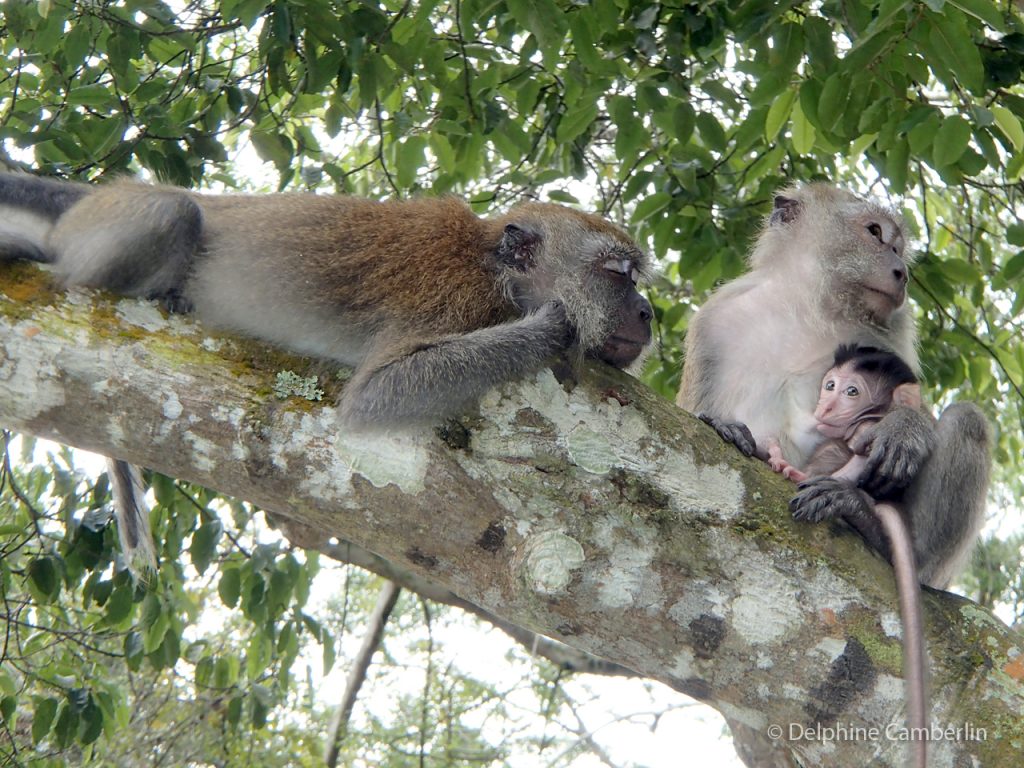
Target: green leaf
{"type": "Point", "coordinates": [803, 132]}
{"type": "Point", "coordinates": [960, 271]}
{"type": "Point", "coordinates": [42, 718]}
{"type": "Point", "coordinates": [119, 606]}
{"type": "Point", "coordinates": [711, 132]}
{"type": "Point", "coordinates": [8, 706]}
{"type": "Point", "coordinates": [545, 20]}
{"type": "Point", "coordinates": [650, 205]}
{"type": "Point", "coordinates": [225, 671]}
{"type": "Point", "coordinates": [1010, 125]}
{"type": "Point", "coordinates": [90, 95]}
{"type": "Point", "coordinates": [952, 47]}
{"type": "Point", "coordinates": [950, 140]}
{"type": "Point", "coordinates": [44, 577]}
{"type": "Point", "coordinates": [444, 153]}
{"type": "Point", "coordinates": [834, 95]}
{"type": "Point", "coordinates": [896, 165]}
{"type": "Point", "coordinates": [575, 121]}
{"type": "Point", "coordinates": [677, 123]}
{"type": "Point", "coordinates": [272, 147]}
{"type": "Point", "coordinates": [778, 114]}
{"type": "Point", "coordinates": [983, 10]}
{"type": "Point", "coordinates": [1012, 269]}
{"type": "Point", "coordinates": [230, 586]}
{"type": "Point", "coordinates": [67, 722]}
{"type": "Point", "coordinates": [858, 145]}
{"type": "Point", "coordinates": [1015, 234]}
{"type": "Point", "coordinates": [204, 545]}
{"type": "Point", "coordinates": [410, 160]}
{"type": "Point", "coordinates": [91, 722]}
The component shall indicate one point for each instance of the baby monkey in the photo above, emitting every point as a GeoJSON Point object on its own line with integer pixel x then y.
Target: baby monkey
{"type": "Point", "coordinates": [863, 385]}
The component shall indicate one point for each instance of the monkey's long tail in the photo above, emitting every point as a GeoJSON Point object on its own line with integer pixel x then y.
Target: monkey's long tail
{"type": "Point", "coordinates": [132, 517]}
{"type": "Point", "coordinates": [909, 591]}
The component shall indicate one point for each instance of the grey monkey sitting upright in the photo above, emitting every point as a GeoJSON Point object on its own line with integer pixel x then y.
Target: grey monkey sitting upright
{"type": "Point", "coordinates": [827, 269]}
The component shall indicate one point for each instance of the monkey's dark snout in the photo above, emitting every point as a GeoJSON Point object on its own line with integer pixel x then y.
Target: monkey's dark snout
{"type": "Point", "coordinates": [646, 311]}
{"type": "Point", "coordinates": [628, 341]}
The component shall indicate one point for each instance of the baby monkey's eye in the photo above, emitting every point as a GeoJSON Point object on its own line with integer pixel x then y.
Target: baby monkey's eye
{"type": "Point", "coordinates": [852, 392]}
{"type": "Point", "coordinates": [829, 386]}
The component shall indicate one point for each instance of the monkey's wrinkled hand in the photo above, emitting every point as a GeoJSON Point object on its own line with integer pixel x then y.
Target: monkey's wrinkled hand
{"type": "Point", "coordinates": [897, 449]}
{"type": "Point", "coordinates": [732, 432]}
{"type": "Point", "coordinates": [825, 498]}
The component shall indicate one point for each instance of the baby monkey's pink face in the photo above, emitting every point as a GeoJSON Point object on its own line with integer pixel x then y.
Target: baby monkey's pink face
{"type": "Point", "coordinates": [847, 395]}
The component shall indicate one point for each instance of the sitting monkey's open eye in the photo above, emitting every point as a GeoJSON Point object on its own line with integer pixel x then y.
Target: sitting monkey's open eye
{"type": "Point", "coordinates": [623, 267]}
{"type": "Point", "coordinates": [876, 232]}
{"type": "Point", "coordinates": [829, 386]}
{"type": "Point", "coordinates": [851, 391]}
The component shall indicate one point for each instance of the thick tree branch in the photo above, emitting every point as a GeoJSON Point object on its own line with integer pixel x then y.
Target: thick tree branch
{"type": "Point", "coordinates": [565, 656]}
{"type": "Point", "coordinates": [598, 515]}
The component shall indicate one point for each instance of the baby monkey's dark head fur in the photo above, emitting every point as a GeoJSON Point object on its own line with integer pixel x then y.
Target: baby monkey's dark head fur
{"type": "Point", "coordinates": [551, 253]}
{"type": "Point", "coordinates": [889, 369]}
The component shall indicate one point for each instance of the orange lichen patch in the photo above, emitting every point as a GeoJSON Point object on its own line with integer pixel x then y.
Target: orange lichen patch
{"type": "Point", "coordinates": [828, 617]}
{"type": "Point", "coordinates": [1015, 668]}
{"type": "Point", "coordinates": [25, 282]}
{"type": "Point", "coordinates": [34, 330]}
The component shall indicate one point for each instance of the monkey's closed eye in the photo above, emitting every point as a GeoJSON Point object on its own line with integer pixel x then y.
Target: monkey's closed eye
{"type": "Point", "coordinates": [876, 232]}
{"type": "Point", "coordinates": [623, 267]}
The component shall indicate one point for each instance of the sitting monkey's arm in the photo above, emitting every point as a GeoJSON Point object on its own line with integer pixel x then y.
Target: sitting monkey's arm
{"type": "Point", "coordinates": [897, 448]}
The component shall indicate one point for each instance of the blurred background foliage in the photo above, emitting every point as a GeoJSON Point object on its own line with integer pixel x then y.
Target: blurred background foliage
{"type": "Point", "coordinates": [679, 120]}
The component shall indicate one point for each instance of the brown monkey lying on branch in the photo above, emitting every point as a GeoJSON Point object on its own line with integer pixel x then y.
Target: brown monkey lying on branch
{"type": "Point", "coordinates": [431, 305]}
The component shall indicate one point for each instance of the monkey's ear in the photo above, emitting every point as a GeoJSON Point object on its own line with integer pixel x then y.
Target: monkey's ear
{"type": "Point", "coordinates": [907, 395]}
{"type": "Point", "coordinates": [786, 210]}
{"type": "Point", "coordinates": [518, 247]}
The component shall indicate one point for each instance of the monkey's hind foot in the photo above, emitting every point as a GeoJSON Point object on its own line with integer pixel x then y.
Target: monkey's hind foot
{"type": "Point", "coordinates": [826, 498]}
{"type": "Point", "coordinates": [174, 302]}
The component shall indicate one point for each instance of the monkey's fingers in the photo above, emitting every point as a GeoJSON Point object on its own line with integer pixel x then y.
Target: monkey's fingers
{"type": "Point", "coordinates": [732, 432]}
{"type": "Point", "coordinates": [792, 473]}
{"type": "Point", "coordinates": [900, 445]}
{"type": "Point", "coordinates": [892, 466]}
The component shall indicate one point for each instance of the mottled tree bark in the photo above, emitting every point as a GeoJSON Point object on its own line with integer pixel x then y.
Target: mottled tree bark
{"type": "Point", "coordinates": [592, 512]}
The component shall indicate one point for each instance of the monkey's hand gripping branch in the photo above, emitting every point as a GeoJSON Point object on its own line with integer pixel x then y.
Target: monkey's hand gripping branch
{"type": "Point", "coordinates": [732, 432]}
